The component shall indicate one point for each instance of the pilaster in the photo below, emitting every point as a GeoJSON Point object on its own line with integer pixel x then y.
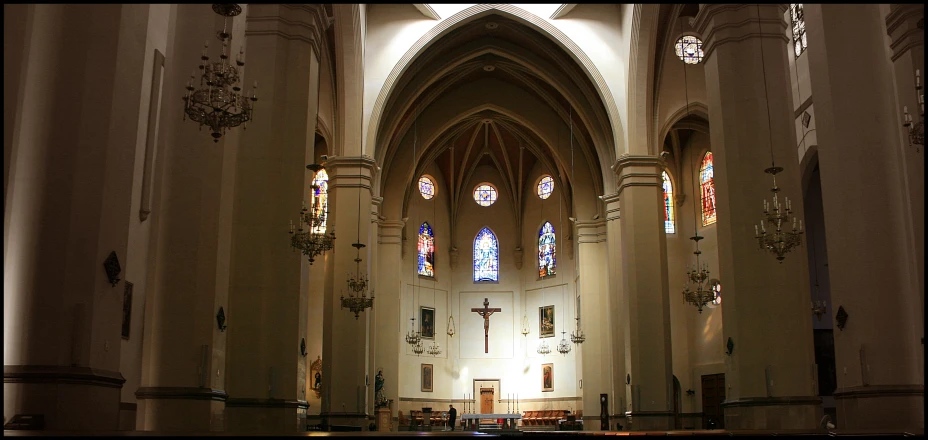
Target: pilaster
{"type": "Point", "coordinates": [387, 347]}
{"type": "Point", "coordinates": [769, 374]}
{"type": "Point", "coordinates": [618, 403]}
{"type": "Point", "coordinates": [644, 270]}
{"type": "Point", "coordinates": [878, 354]}
{"type": "Point", "coordinates": [346, 339]}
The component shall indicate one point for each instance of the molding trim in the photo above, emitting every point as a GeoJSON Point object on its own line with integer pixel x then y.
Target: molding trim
{"type": "Point", "coordinates": [802, 107]}
{"type": "Point", "coordinates": [879, 391]}
{"type": "Point", "coordinates": [722, 24]}
{"type": "Point", "coordinates": [62, 375]}
{"type": "Point", "coordinates": [650, 414]}
{"type": "Point", "coordinates": [562, 11]}
{"type": "Point", "coordinates": [901, 25]}
{"type": "Point", "coordinates": [243, 402]}
{"type": "Point", "coordinates": [427, 11]}
{"type": "Point", "coordinates": [188, 393]}
{"type": "Point", "coordinates": [772, 401]}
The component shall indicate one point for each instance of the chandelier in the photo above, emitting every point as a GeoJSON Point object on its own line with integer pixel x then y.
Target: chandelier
{"type": "Point", "coordinates": [563, 347]}
{"type": "Point", "coordinates": [417, 348]}
{"type": "Point", "coordinates": [917, 129]}
{"type": "Point", "coordinates": [219, 103]}
{"type": "Point", "coordinates": [434, 349]}
{"type": "Point", "coordinates": [779, 241]}
{"type": "Point", "coordinates": [450, 326]}
{"type": "Point", "coordinates": [577, 336]}
{"type": "Point", "coordinates": [543, 348]}
{"type": "Point", "coordinates": [818, 308]}
{"type": "Point", "coordinates": [314, 240]}
{"type": "Point", "coordinates": [701, 294]}
{"type": "Point", "coordinates": [357, 300]}
{"type": "Point", "coordinates": [525, 330]}
{"type": "Point", "coordinates": [412, 336]}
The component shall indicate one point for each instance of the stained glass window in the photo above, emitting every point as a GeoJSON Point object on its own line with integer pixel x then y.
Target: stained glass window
{"type": "Point", "coordinates": [669, 211]}
{"type": "Point", "coordinates": [485, 194]}
{"type": "Point", "coordinates": [426, 250]}
{"type": "Point", "coordinates": [716, 287]}
{"type": "Point", "coordinates": [689, 49]}
{"type": "Point", "coordinates": [426, 187]}
{"type": "Point", "coordinates": [707, 184]}
{"type": "Point", "coordinates": [546, 251]}
{"type": "Point", "coordinates": [798, 19]}
{"type": "Point", "coordinates": [545, 187]}
{"type": "Point", "coordinates": [321, 199]}
{"type": "Point", "coordinates": [486, 256]}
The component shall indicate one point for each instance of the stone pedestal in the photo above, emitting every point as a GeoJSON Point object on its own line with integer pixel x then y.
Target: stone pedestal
{"type": "Point", "coordinates": [384, 419]}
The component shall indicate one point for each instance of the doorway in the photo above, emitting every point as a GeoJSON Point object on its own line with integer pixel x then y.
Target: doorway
{"type": "Point", "coordinates": [713, 394]}
{"type": "Point", "coordinates": [677, 421]}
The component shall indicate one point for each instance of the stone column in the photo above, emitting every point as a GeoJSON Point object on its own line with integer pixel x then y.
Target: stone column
{"type": "Point", "coordinates": [345, 344]}
{"type": "Point", "coordinates": [644, 269]}
{"type": "Point", "coordinates": [387, 348]}
{"type": "Point", "coordinates": [267, 292]}
{"type": "Point", "coordinates": [879, 356]}
{"type": "Point", "coordinates": [906, 27]}
{"type": "Point", "coordinates": [72, 145]}
{"type": "Point", "coordinates": [769, 374]}
{"type": "Point", "coordinates": [617, 309]}
{"type": "Point", "coordinates": [183, 373]}
{"type": "Point", "coordinates": [596, 352]}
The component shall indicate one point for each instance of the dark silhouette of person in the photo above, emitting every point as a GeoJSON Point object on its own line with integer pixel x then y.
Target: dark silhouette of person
{"type": "Point", "coordinates": [452, 416]}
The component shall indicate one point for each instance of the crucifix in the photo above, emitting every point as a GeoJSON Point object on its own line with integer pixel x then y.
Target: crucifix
{"type": "Point", "coordinates": [485, 312]}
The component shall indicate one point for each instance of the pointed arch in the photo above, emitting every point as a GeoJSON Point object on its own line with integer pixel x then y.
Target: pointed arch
{"type": "Point", "coordinates": [670, 212]}
{"type": "Point", "coordinates": [426, 248]}
{"type": "Point", "coordinates": [320, 200]}
{"type": "Point", "coordinates": [707, 187]}
{"type": "Point", "coordinates": [486, 256]}
{"type": "Point", "coordinates": [547, 261]}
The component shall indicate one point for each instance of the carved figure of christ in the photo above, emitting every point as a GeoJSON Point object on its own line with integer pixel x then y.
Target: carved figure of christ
{"type": "Point", "coordinates": [485, 312]}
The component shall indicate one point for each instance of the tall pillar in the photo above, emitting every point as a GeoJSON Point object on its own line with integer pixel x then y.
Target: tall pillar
{"type": "Point", "coordinates": [386, 347]}
{"type": "Point", "coordinates": [906, 27]}
{"type": "Point", "coordinates": [594, 310]}
{"type": "Point", "coordinates": [267, 292]}
{"type": "Point", "coordinates": [617, 309]}
{"type": "Point", "coordinates": [183, 358]}
{"type": "Point", "coordinates": [67, 200]}
{"type": "Point", "coordinates": [769, 373]}
{"type": "Point", "coordinates": [879, 356]}
{"type": "Point", "coordinates": [344, 337]}
{"type": "Point", "coordinates": [644, 269]}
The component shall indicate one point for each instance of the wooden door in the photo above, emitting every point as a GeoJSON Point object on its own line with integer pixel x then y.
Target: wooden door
{"type": "Point", "coordinates": [486, 400]}
{"type": "Point", "coordinates": [713, 394]}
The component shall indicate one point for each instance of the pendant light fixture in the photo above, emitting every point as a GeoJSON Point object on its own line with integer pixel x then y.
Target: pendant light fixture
{"type": "Point", "coordinates": [576, 336]}
{"type": "Point", "coordinates": [358, 285]}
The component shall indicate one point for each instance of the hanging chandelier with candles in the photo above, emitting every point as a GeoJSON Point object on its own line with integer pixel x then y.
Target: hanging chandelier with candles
{"type": "Point", "coordinates": [577, 336]}
{"type": "Point", "coordinates": [358, 299]}
{"type": "Point", "coordinates": [313, 241]}
{"type": "Point", "coordinates": [412, 336]}
{"type": "Point", "coordinates": [543, 348]}
{"type": "Point", "coordinates": [697, 277]}
{"type": "Point", "coordinates": [219, 102]}
{"type": "Point", "coordinates": [434, 349]}
{"type": "Point", "coordinates": [563, 347]}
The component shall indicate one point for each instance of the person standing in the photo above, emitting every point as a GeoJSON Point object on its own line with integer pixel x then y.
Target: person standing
{"type": "Point", "coordinates": [452, 416]}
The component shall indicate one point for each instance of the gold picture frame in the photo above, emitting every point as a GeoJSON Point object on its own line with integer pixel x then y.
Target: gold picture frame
{"type": "Point", "coordinates": [427, 377]}
{"type": "Point", "coordinates": [546, 321]}
{"type": "Point", "coordinates": [315, 376]}
{"type": "Point", "coordinates": [547, 377]}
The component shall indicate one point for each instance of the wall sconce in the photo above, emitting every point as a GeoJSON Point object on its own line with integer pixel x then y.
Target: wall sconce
{"type": "Point", "coordinates": [841, 317]}
{"type": "Point", "coordinates": [303, 347]}
{"type": "Point", "coordinates": [690, 392]}
{"type": "Point", "coordinates": [730, 346]}
{"type": "Point", "coordinates": [111, 265]}
{"type": "Point", "coordinates": [818, 308]}
{"type": "Point", "coordinates": [221, 319]}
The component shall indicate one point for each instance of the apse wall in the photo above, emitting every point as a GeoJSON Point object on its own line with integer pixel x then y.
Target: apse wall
{"type": "Point", "coordinates": [511, 357]}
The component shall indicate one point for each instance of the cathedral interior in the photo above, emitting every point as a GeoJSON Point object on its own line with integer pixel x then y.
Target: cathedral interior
{"type": "Point", "coordinates": [280, 218]}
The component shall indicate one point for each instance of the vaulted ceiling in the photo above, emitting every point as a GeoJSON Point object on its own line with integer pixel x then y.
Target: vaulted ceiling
{"type": "Point", "coordinates": [524, 96]}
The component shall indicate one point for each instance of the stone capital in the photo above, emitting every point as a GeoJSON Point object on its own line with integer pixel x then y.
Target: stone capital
{"type": "Point", "coordinates": [344, 171]}
{"type": "Point", "coordinates": [297, 22]}
{"type": "Point", "coordinates": [637, 170]}
{"type": "Point", "coordinates": [611, 202]}
{"type": "Point", "coordinates": [905, 25]}
{"type": "Point", "coordinates": [719, 24]}
{"type": "Point", "coordinates": [590, 231]}
{"type": "Point", "coordinates": [390, 232]}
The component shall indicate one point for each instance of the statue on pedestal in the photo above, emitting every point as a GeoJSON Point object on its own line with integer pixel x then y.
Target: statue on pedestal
{"type": "Point", "coordinates": [380, 400]}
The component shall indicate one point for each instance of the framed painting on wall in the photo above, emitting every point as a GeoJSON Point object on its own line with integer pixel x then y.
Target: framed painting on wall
{"type": "Point", "coordinates": [427, 378]}
{"type": "Point", "coordinates": [546, 321]}
{"type": "Point", "coordinates": [547, 377]}
{"type": "Point", "coordinates": [427, 322]}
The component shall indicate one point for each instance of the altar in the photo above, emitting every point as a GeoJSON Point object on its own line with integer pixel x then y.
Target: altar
{"type": "Point", "coordinates": [472, 421]}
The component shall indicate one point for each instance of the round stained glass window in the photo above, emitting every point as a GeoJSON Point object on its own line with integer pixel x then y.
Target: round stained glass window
{"type": "Point", "coordinates": [426, 187]}
{"type": "Point", "coordinates": [716, 287]}
{"type": "Point", "coordinates": [485, 194]}
{"type": "Point", "coordinates": [689, 49]}
{"type": "Point", "coordinates": [545, 187]}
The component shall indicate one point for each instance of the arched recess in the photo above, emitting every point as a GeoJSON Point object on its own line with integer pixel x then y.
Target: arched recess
{"type": "Point", "coordinates": [520, 15]}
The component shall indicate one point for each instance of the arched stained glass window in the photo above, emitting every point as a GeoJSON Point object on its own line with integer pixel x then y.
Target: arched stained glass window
{"type": "Point", "coordinates": [485, 194]}
{"type": "Point", "coordinates": [426, 187]}
{"type": "Point", "coordinates": [545, 187]}
{"type": "Point", "coordinates": [320, 200]}
{"type": "Point", "coordinates": [547, 263]}
{"type": "Point", "coordinates": [707, 184]}
{"type": "Point", "coordinates": [426, 250]}
{"type": "Point", "coordinates": [486, 256]}
{"type": "Point", "coordinates": [797, 17]}
{"type": "Point", "coordinates": [669, 212]}
{"type": "Point", "coordinates": [689, 49]}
